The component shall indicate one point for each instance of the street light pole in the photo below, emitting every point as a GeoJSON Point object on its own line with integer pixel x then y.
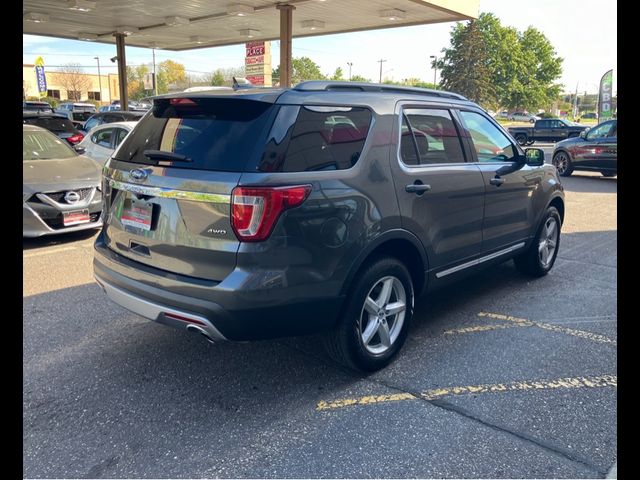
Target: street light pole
{"type": "Point", "coordinates": [435, 69]}
{"type": "Point", "coordinates": [350, 65]}
{"type": "Point", "coordinates": [381, 61]}
{"type": "Point", "coordinates": [155, 81]}
{"type": "Point", "coordinates": [99, 78]}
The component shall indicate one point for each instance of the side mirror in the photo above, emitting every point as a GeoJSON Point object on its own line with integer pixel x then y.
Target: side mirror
{"type": "Point", "coordinates": [534, 156]}
{"type": "Point", "coordinates": [583, 134]}
{"type": "Point", "coordinates": [79, 150]}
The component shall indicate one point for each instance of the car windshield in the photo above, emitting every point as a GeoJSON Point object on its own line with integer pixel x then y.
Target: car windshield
{"type": "Point", "coordinates": [44, 146]}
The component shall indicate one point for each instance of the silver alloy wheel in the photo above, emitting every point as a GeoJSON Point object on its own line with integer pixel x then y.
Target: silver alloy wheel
{"type": "Point", "coordinates": [561, 162]}
{"type": "Point", "coordinates": [382, 315]}
{"type": "Point", "coordinates": [548, 241]}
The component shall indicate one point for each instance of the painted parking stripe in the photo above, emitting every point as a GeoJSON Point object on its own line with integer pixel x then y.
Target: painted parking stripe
{"type": "Point", "coordinates": [434, 394]}
{"type": "Point", "coordinates": [481, 328]}
{"type": "Point", "coordinates": [51, 251]}
{"type": "Point", "coordinates": [548, 326]}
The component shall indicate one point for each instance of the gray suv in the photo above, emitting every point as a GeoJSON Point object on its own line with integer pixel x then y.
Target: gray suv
{"type": "Point", "coordinates": [326, 207]}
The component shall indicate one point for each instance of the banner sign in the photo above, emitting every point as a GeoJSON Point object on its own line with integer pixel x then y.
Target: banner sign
{"type": "Point", "coordinates": [41, 78]}
{"type": "Point", "coordinates": [605, 97]}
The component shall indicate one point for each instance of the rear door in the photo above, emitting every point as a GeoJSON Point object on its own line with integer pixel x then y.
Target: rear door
{"type": "Point", "coordinates": [542, 130]}
{"type": "Point", "coordinates": [101, 144]}
{"type": "Point", "coordinates": [509, 199]}
{"type": "Point", "coordinates": [600, 150]}
{"type": "Point", "coordinates": [168, 186]}
{"type": "Point", "coordinates": [440, 195]}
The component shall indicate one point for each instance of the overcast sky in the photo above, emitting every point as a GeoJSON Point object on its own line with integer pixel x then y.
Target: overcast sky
{"type": "Point", "coordinates": [583, 32]}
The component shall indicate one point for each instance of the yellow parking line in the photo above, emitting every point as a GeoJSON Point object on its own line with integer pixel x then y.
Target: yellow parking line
{"type": "Point", "coordinates": [558, 383]}
{"type": "Point", "coordinates": [548, 326]}
{"type": "Point", "coordinates": [481, 328]}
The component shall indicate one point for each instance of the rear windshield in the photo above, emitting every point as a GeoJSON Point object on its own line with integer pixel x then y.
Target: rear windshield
{"type": "Point", "coordinates": [215, 134]}
{"type": "Point", "coordinates": [82, 116]}
{"type": "Point", "coordinates": [44, 146]}
{"type": "Point", "coordinates": [57, 125]}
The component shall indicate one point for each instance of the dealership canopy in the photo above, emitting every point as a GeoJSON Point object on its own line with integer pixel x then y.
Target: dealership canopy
{"type": "Point", "coordinates": [190, 24]}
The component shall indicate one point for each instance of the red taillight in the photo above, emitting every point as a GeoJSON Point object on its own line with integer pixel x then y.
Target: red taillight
{"type": "Point", "coordinates": [255, 210]}
{"type": "Point", "coordinates": [75, 138]}
{"type": "Point", "coordinates": [182, 102]}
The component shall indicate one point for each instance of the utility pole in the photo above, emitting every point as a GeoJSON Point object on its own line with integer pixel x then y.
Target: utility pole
{"type": "Point", "coordinates": [99, 78]}
{"type": "Point", "coordinates": [381, 61]}
{"type": "Point", "coordinates": [155, 82]}
{"type": "Point", "coordinates": [575, 102]}
{"type": "Point", "coordinates": [350, 65]}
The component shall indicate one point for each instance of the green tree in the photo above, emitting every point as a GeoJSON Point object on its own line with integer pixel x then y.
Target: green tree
{"type": "Point", "coordinates": [464, 68]}
{"type": "Point", "coordinates": [521, 68]}
{"type": "Point", "coordinates": [359, 78]}
{"type": "Point", "coordinates": [217, 79]}
{"type": "Point", "coordinates": [303, 68]}
{"type": "Point", "coordinates": [337, 75]}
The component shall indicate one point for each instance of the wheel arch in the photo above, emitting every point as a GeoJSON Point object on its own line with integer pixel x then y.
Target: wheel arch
{"type": "Point", "coordinates": [400, 244]}
{"type": "Point", "coordinates": [558, 202]}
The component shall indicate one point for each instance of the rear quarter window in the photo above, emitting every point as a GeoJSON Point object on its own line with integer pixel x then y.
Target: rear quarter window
{"type": "Point", "coordinates": [315, 138]}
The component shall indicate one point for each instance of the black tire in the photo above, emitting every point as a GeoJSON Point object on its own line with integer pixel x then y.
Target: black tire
{"type": "Point", "coordinates": [608, 174]}
{"type": "Point", "coordinates": [533, 261]}
{"type": "Point", "coordinates": [531, 120]}
{"type": "Point", "coordinates": [521, 138]}
{"type": "Point", "coordinates": [345, 343]}
{"type": "Point", "coordinates": [562, 162]}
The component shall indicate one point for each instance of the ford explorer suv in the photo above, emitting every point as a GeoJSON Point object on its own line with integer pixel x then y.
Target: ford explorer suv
{"type": "Point", "coordinates": [327, 207]}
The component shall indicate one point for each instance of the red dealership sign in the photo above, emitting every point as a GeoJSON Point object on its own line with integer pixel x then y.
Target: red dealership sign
{"type": "Point", "coordinates": [254, 49]}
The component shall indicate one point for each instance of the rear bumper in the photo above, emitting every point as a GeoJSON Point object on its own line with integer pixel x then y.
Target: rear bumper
{"type": "Point", "coordinates": [237, 311]}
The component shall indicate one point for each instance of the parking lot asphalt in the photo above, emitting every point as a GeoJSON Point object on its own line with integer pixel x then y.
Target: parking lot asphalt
{"type": "Point", "coordinates": [501, 377]}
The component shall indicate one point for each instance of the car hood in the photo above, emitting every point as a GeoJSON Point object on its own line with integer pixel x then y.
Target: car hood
{"type": "Point", "coordinates": [570, 142]}
{"type": "Point", "coordinates": [75, 172]}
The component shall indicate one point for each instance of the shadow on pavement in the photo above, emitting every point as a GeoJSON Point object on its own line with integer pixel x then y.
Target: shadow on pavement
{"type": "Point", "coordinates": [59, 239]}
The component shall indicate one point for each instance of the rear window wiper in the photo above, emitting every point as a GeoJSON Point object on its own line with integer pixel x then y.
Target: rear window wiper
{"type": "Point", "coordinates": [166, 156]}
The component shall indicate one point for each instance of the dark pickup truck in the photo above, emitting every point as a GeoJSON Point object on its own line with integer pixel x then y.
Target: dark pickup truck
{"type": "Point", "coordinates": [548, 129]}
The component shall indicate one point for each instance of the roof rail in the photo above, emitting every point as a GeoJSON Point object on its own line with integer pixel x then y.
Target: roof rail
{"type": "Point", "coordinates": [321, 85]}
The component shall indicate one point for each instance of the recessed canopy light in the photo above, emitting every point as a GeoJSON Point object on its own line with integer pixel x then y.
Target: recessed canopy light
{"type": "Point", "coordinates": [126, 30]}
{"type": "Point", "coordinates": [239, 10]}
{"type": "Point", "coordinates": [393, 14]}
{"type": "Point", "coordinates": [89, 37]}
{"type": "Point", "coordinates": [36, 17]}
{"type": "Point", "coordinates": [197, 39]}
{"type": "Point", "coordinates": [173, 21]}
{"type": "Point", "coordinates": [249, 33]}
{"type": "Point", "coordinates": [81, 5]}
{"type": "Point", "coordinates": [313, 24]}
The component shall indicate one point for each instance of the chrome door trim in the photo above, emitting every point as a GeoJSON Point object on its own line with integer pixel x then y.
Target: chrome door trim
{"type": "Point", "coordinates": [480, 260]}
{"type": "Point", "coordinates": [165, 192]}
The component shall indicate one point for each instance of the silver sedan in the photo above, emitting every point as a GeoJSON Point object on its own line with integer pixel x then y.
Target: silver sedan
{"type": "Point", "coordinates": [60, 189]}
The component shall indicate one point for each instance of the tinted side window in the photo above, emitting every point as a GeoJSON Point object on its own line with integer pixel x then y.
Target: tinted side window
{"type": "Point", "coordinates": [120, 133]}
{"type": "Point", "coordinates": [408, 147]}
{"type": "Point", "coordinates": [92, 122]}
{"type": "Point", "coordinates": [435, 136]}
{"type": "Point", "coordinates": [543, 124]}
{"type": "Point", "coordinates": [320, 138]}
{"type": "Point", "coordinates": [103, 137]}
{"type": "Point", "coordinates": [490, 144]}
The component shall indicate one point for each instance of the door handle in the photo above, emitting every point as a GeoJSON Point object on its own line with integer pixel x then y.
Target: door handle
{"type": "Point", "coordinates": [497, 181]}
{"type": "Point", "coordinates": [418, 188]}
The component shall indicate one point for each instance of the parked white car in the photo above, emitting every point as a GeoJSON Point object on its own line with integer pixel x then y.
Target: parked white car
{"type": "Point", "coordinates": [102, 140]}
{"type": "Point", "coordinates": [523, 117]}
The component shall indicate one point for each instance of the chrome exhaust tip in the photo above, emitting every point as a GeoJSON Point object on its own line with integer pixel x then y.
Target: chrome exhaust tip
{"type": "Point", "coordinates": [196, 329]}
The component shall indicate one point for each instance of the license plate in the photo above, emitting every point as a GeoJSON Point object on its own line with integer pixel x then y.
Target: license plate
{"type": "Point", "coordinates": [75, 218]}
{"type": "Point", "coordinates": [137, 213]}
